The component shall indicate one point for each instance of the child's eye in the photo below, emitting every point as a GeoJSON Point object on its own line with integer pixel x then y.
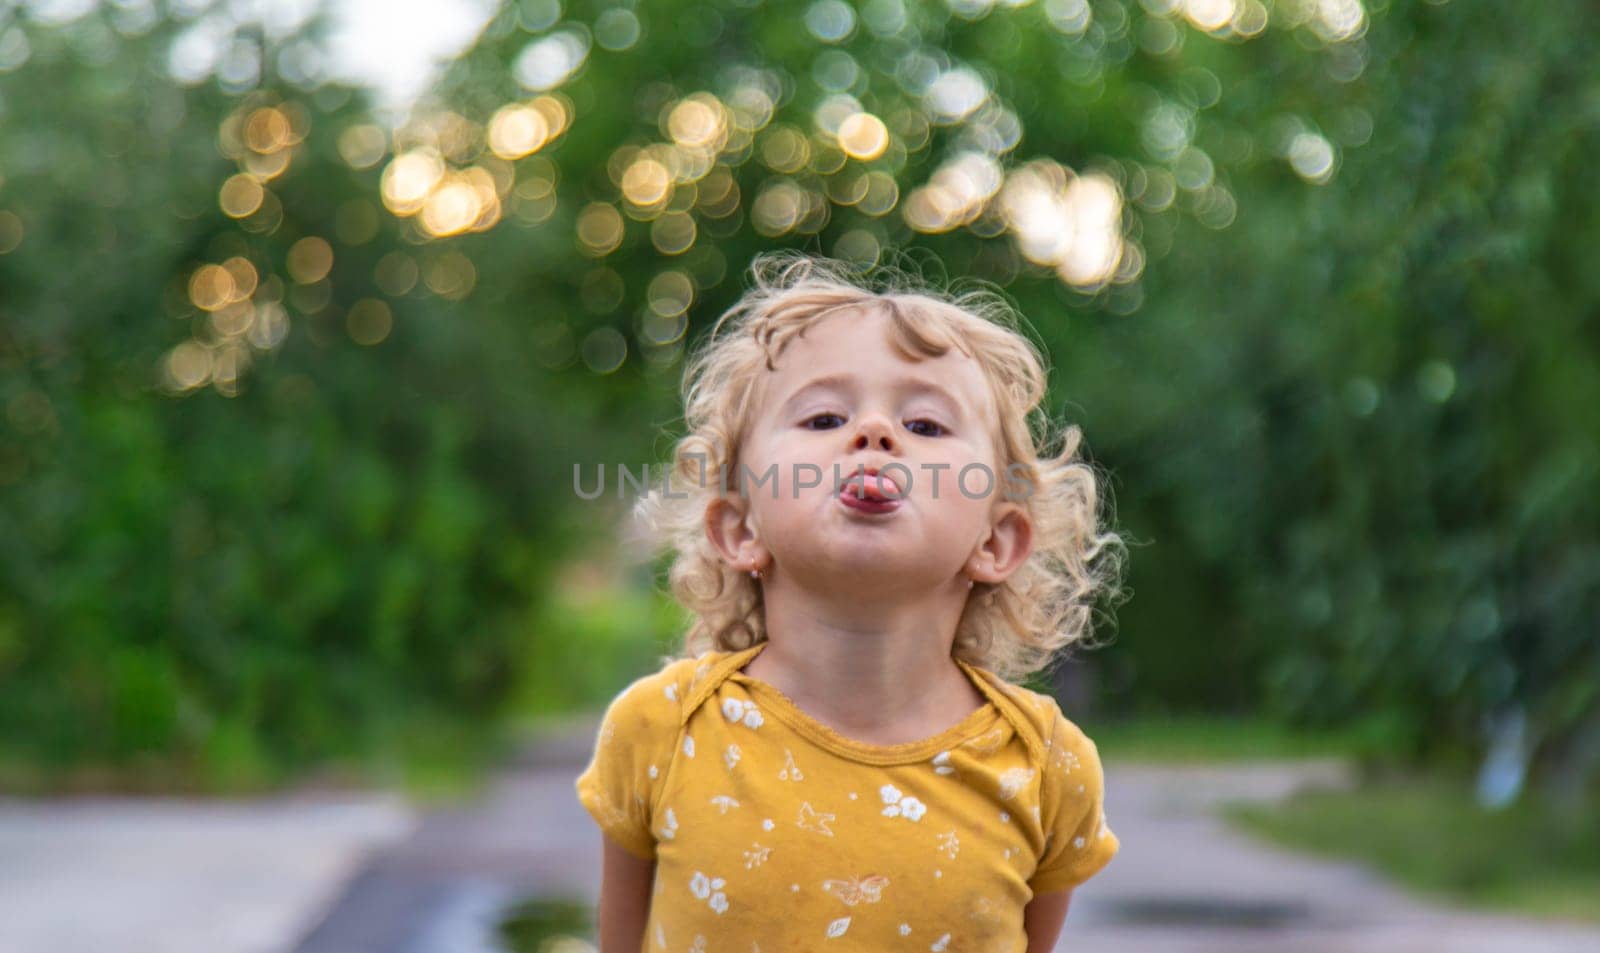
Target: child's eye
{"type": "Point", "coordinates": [818, 417]}
{"type": "Point", "coordinates": [937, 427]}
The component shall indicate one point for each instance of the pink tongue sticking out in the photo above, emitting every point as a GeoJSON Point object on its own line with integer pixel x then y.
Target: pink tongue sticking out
{"type": "Point", "coordinates": [870, 489]}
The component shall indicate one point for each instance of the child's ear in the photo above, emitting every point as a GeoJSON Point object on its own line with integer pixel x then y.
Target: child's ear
{"type": "Point", "coordinates": [1005, 548]}
{"type": "Point", "coordinates": [730, 532]}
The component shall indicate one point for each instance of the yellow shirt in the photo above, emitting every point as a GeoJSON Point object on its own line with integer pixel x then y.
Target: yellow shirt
{"type": "Point", "coordinates": [771, 831]}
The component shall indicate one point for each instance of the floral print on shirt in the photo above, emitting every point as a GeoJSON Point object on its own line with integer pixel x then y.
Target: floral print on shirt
{"type": "Point", "coordinates": [778, 833]}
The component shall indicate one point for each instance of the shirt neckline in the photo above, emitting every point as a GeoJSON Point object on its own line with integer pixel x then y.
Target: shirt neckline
{"type": "Point", "coordinates": [781, 706]}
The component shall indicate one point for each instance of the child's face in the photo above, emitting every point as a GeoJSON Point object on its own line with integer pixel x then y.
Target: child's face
{"type": "Point", "coordinates": [930, 418]}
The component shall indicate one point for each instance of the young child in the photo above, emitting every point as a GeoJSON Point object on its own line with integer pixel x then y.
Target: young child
{"type": "Point", "coordinates": [871, 547]}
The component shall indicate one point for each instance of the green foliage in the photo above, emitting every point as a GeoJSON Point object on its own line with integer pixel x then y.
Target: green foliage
{"type": "Point", "coordinates": [547, 926]}
{"type": "Point", "coordinates": [1211, 738]}
{"type": "Point", "coordinates": [215, 589]}
{"type": "Point", "coordinates": [1341, 370]}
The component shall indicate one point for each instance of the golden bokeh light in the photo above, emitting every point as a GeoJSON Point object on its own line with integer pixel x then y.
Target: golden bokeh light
{"type": "Point", "coordinates": [188, 365]}
{"type": "Point", "coordinates": [929, 209]}
{"type": "Point", "coordinates": [1030, 201]}
{"type": "Point", "coordinates": [826, 158]}
{"type": "Point", "coordinates": [1312, 158]}
{"type": "Point", "coordinates": [533, 200]}
{"type": "Point", "coordinates": [463, 201]}
{"type": "Point", "coordinates": [670, 293]}
{"type": "Point", "coordinates": [228, 363]}
{"type": "Point", "coordinates": [955, 94]}
{"type": "Point", "coordinates": [212, 288]}
{"type": "Point", "coordinates": [778, 208]}
{"type": "Point", "coordinates": [646, 182]}
{"type": "Point", "coordinates": [882, 195]}
{"type": "Point", "coordinates": [863, 136]}
{"type": "Point", "coordinates": [673, 233]}
{"type": "Point", "coordinates": [657, 330]}
{"type": "Point", "coordinates": [557, 111]}
{"type": "Point", "coordinates": [518, 130]}
{"type": "Point", "coordinates": [369, 321]}
{"type": "Point", "coordinates": [244, 276]}
{"type": "Point", "coordinates": [424, 180]}
{"type": "Point", "coordinates": [689, 165]}
{"type": "Point", "coordinates": [1094, 207]}
{"type": "Point", "coordinates": [752, 103]}
{"type": "Point", "coordinates": [619, 161]}
{"type": "Point", "coordinates": [489, 184]}
{"type": "Point", "coordinates": [784, 149]}
{"type": "Point", "coordinates": [265, 219]}
{"type": "Point", "coordinates": [1072, 17]}
{"type": "Point", "coordinates": [233, 320]}
{"type": "Point", "coordinates": [1070, 222]}
{"type": "Point", "coordinates": [1158, 189]}
{"type": "Point", "coordinates": [450, 275]}
{"type": "Point", "coordinates": [445, 132]}
{"type": "Point", "coordinates": [698, 122]}
{"type": "Point", "coordinates": [363, 145]}
{"type": "Point", "coordinates": [1337, 20]}
{"type": "Point", "coordinates": [1209, 15]}
{"type": "Point", "coordinates": [270, 327]}
{"type": "Point", "coordinates": [603, 350]}
{"type": "Point", "coordinates": [451, 208]}
{"type": "Point", "coordinates": [847, 188]}
{"type": "Point", "coordinates": [240, 195]}
{"type": "Point", "coordinates": [1250, 19]}
{"type": "Point", "coordinates": [230, 141]}
{"type": "Point", "coordinates": [266, 167]}
{"type": "Point", "coordinates": [271, 289]}
{"type": "Point", "coordinates": [396, 273]}
{"type": "Point", "coordinates": [299, 120]}
{"type": "Point", "coordinates": [409, 178]}
{"type": "Point", "coordinates": [310, 259]}
{"type": "Point", "coordinates": [718, 193]}
{"type": "Point", "coordinates": [956, 194]}
{"type": "Point", "coordinates": [858, 245]}
{"type": "Point", "coordinates": [541, 169]}
{"type": "Point", "coordinates": [912, 128]}
{"type": "Point", "coordinates": [267, 131]}
{"type": "Point", "coordinates": [600, 229]}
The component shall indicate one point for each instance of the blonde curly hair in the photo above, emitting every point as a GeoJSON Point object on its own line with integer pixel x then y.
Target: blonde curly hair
{"type": "Point", "coordinates": [1014, 628]}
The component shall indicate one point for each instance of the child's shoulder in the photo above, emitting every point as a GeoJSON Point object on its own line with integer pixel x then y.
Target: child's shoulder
{"type": "Point", "coordinates": [1042, 716]}
{"type": "Point", "coordinates": [666, 695]}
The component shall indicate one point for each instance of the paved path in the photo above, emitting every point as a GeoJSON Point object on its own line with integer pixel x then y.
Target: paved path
{"type": "Point", "coordinates": [1182, 883]}
{"type": "Point", "coordinates": [320, 874]}
{"type": "Point", "coordinates": [1186, 883]}
{"type": "Point", "coordinates": [177, 875]}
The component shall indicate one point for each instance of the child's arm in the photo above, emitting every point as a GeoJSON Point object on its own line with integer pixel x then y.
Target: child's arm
{"type": "Point", "coordinates": [1042, 919]}
{"type": "Point", "coordinates": [625, 883]}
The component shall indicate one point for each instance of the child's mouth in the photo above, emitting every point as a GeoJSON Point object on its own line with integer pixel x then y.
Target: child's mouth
{"type": "Point", "coordinates": [870, 502]}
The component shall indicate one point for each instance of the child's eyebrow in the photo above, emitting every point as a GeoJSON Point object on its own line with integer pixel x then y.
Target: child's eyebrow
{"type": "Point", "coordinates": [847, 383]}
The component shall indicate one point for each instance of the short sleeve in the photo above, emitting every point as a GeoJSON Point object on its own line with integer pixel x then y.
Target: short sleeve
{"type": "Point", "coordinates": [1079, 842]}
{"type": "Point", "coordinates": [633, 749]}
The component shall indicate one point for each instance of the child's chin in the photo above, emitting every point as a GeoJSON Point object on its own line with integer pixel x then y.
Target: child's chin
{"type": "Point", "coordinates": [871, 568]}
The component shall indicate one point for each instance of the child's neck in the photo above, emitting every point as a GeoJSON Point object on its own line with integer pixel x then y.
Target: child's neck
{"type": "Point", "coordinates": [882, 677]}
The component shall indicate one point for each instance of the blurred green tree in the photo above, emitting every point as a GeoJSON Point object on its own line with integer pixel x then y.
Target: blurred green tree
{"type": "Point", "coordinates": [339, 373]}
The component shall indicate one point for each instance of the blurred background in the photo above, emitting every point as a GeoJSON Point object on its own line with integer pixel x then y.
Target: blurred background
{"type": "Point", "coordinates": [311, 312]}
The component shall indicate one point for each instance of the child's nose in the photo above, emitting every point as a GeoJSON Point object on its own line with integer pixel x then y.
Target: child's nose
{"type": "Point", "coordinates": [873, 431]}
